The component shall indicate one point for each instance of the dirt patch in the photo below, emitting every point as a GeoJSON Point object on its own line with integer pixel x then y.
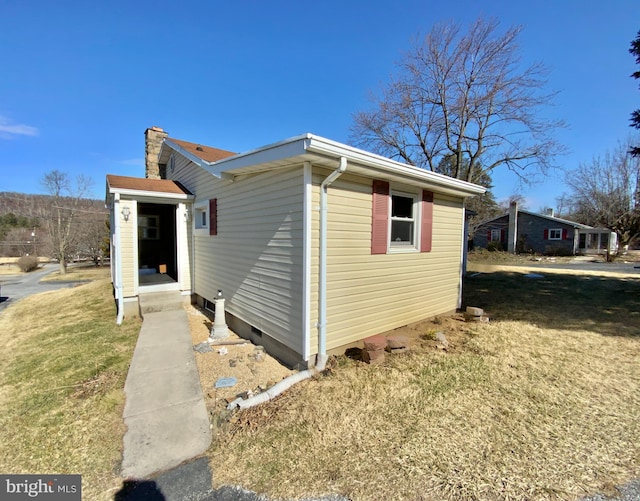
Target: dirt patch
{"type": "Point", "coordinates": [253, 369]}
{"type": "Point", "coordinates": [100, 384]}
{"type": "Point", "coordinates": [424, 333]}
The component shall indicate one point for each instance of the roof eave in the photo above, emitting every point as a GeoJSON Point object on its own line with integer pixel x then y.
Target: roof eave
{"type": "Point", "coordinates": [308, 143]}
{"type": "Point", "coordinates": [382, 164]}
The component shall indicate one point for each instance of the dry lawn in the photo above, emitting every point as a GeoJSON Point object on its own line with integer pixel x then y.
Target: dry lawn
{"type": "Point", "coordinates": [63, 366]}
{"type": "Point", "coordinates": [540, 403]}
{"type": "Point", "coordinates": [10, 269]}
{"type": "Point", "coordinates": [9, 265]}
{"type": "Point", "coordinates": [79, 273]}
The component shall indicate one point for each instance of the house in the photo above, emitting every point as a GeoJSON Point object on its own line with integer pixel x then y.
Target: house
{"type": "Point", "coordinates": [523, 231]}
{"type": "Point", "coordinates": [314, 244]}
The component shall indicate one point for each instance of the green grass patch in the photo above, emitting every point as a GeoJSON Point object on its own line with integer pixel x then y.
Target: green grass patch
{"type": "Point", "coordinates": [63, 369]}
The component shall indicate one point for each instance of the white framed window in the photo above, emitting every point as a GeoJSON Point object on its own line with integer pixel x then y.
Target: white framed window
{"type": "Point", "coordinates": [201, 218]}
{"type": "Point", "coordinates": [496, 235]}
{"type": "Point", "coordinates": [148, 227]}
{"type": "Point", "coordinates": [555, 234]}
{"type": "Point", "coordinates": [404, 221]}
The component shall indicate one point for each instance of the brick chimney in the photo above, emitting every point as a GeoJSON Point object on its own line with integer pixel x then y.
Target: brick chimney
{"type": "Point", "coordinates": [153, 138]}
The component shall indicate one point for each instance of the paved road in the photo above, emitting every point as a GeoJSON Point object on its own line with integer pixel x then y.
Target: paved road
{"type": "Point", "coordinates": [16, 287]}
{"type": "Point", "coordinates": [615, 267]}
{"type": "Point", "coordinates": [629, 269]}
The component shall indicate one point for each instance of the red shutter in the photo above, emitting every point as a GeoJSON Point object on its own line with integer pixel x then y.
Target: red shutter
{"type": "Point", "coordinates": [213, 216]}
{"type": "Point", "coordinates": [565, 234]}
{"type": "Point", "coordinates": [546, 234]}
{"type": "Point", "coordinates": [488, 236]}
{"type": "Point", "coordinates": [426, 233]}
{"type": "Point", "coordinates": [380, 221]}
{"type": "Point", "coordinates": [503, 235]}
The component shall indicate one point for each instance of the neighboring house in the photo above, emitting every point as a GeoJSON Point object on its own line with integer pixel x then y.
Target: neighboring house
{"type": "Point", "coordinates": [315, 244]}
{"type": "Point", "coordinates": [523, 231]}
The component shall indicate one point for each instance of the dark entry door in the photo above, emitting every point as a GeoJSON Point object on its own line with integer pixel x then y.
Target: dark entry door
{"type": "Point", "coordinates": [157, 249]}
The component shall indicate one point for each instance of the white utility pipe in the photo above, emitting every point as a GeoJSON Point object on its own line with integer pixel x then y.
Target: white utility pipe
{"type": "Point", "coordinates": [276, 389]}
{"type": "Point", "coordinates": [322, 282]}
{"type": "Point", "coordinates": [321, 358]}
{"type": "Point", "coordinates": [118, 248]}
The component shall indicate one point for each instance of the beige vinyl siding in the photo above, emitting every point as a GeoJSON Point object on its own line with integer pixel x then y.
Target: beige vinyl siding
{"type": "Point", "coordinates": [127, 239]}
{"type": "Point", "coordinates": [257, 256]}
{"type": "Point", "coordinates": [368, 294]}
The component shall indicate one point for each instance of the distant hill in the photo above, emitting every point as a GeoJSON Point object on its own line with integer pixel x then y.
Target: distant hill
{"type": "Point", "coordinates": [23, 219]}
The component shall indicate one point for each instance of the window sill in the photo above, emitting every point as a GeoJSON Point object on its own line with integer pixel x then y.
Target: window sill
{"type": "Point", "coordinates": [402, 249]}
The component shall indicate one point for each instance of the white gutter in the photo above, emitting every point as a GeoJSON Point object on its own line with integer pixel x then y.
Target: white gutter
{"type": "Point", "coordinates": [321, 358]}
{"type": "Point", "coordinates": [152, 194]}
{"type": "Point", "coordinates": [439, 182]}
{"type": "Point", "coordinates": [306, 145]}
{"type": "Point", "coordinates": [118, 248]}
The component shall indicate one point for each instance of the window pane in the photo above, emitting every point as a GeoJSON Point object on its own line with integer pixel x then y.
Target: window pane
{"type": "Point", "coordinates": [401, 206]}
{"type": "Point", "coordinates": [401, 232]}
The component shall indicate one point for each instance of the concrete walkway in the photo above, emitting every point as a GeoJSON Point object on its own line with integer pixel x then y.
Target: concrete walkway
{"type": "Point", "coordinates": [165, 414]}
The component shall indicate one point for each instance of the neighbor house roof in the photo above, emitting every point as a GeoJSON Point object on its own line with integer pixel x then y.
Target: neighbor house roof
{"type": "Point", "coordinates": [541, 216]}
{"type": "Point", "coordinates": [557, 220]}
{"type": "Point", "coordinates": [131, 185]}
{"type": "Point", "coordinates": [320, 152]}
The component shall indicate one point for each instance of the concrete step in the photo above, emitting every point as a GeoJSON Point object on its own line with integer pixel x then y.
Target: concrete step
{"type": "Point", "coordinates": [160, 301]}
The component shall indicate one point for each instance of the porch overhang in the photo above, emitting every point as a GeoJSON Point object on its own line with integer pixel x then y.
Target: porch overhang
{"type": "Point", "coordinates": [144, 189]}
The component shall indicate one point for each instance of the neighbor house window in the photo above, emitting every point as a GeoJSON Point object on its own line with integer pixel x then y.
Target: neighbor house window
{"type": "Point", "coordinates": [555, 234]}
{"type": "Point", "coordinates": [403, 220]}
{"type": "Point", "coordinates": [496, 235]}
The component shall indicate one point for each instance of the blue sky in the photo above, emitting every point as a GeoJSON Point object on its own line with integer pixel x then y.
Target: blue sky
{"type": "Point", "coordinates": [81, 81]}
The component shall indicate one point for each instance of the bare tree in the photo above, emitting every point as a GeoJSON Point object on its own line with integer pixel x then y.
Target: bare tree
{"type": "Point", "coordinates": [634, 50]}
{"type": "Point", "coordinates": [59, 218]}
{"type": "Point", "coordinates": [482, 207]}
{"type": "Point", "coordinates": [463, 95]}
{"type": "Point", "coordinates": [605, 192]}
{"type": "Point", "coordinates": [518, 198]}
{"type": "Point", "coordinates": [95, 230]}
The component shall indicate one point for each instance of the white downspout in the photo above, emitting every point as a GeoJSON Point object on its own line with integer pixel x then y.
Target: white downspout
{"type": "Point", "coordinates": [118, 265]}
{"type": "Point", "coordinates": [321, 358]}
{"type": "Point", "coordinates": [322, 276]}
